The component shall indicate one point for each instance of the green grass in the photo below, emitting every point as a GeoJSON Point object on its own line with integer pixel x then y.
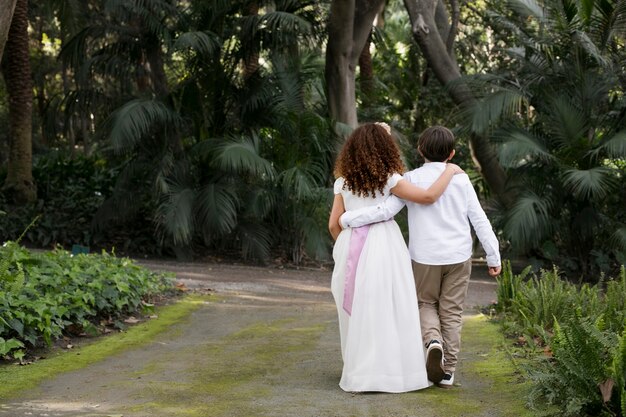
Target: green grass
{"type": "Point", "coordinates": [14, 378]}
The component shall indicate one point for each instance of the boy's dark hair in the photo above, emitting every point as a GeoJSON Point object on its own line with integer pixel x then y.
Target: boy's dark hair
{"type": "Point", "coordinates": [436, 143]}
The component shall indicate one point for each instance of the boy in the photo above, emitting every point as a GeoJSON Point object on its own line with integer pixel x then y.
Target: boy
{"type": "Point", "coordinates": [440, 244]}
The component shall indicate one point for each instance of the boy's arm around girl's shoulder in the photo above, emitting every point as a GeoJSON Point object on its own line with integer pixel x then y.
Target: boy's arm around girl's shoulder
{"type": "Point", "coordinates": [482, 227]}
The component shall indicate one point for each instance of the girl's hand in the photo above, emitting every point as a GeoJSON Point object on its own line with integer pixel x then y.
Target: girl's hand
{"type": "Point", "coordinates": [457, 169]}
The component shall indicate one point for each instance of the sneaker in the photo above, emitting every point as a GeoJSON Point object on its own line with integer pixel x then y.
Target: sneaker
{"type": "Point", "coordinates": [434, 361]}
{"type": "Point", "coordinates": [447, 381]}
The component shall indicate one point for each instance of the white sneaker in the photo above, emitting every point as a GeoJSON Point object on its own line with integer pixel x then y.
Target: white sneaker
{"type": "Point", "coordinates": [447, 381]}
{"type": "Point", "coordinates": [434, 361]}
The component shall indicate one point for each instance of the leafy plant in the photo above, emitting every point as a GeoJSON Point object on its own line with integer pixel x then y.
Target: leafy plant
{"type": "Point", "coordinates": [556, 112]}
{"type": "Point", "coordinates": [582, 355]}
{"type": "Point", "coordinates": [580, 330]}
{"type": "Point", "coordinates": [43, 294]}
{"type": "Point", "coordinates": [509, 285]}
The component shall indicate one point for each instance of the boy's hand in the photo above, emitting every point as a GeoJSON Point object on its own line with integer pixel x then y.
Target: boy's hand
{"type": "Point", "coordinates": [457, 169]}
{"type": "Point", "coordinates": [494, 271]}
{"type": "Point", "coordinates": [384, 126]}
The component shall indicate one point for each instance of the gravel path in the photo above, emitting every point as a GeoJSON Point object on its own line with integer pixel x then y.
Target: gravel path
{"type": "Point", "coordinates": [266, 344]}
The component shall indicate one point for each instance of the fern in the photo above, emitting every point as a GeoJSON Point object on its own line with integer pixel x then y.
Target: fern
{"type": "Point", "coordinates": [619, 373]}
{"type": "Point", "coordinates": [509, 285]}
{"type": "Point", "coordinates": [582, 350]}
{"type": "Point", "coordinates": [544, 299]}
{"type": "Point", "coordinates": [614, 304]}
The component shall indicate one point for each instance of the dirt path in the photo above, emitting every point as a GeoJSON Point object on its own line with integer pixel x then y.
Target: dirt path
{"type": "Point", "coordinates": [266, 344]}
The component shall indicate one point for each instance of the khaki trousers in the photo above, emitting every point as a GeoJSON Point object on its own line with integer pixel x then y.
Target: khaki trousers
{"type": "Point", "coordinates": [441, 291]}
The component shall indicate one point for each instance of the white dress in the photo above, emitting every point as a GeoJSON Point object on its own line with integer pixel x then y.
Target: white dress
{"type": "Point", "coordinates": [381, 342]}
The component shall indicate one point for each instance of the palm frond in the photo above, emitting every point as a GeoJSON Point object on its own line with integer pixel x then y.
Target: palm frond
{"type": "Point", "coordinates": [567, 123]}
{"type": "Point", "coordinates": [175, 214]}
{"type": "Point", "coordinates": [259, 203]}
{"type": "Point", "coordinates": [315, 238]}
{"type": "Point", "coordinates": [591, 184]}
{"type": "Point", "coordinates": [528, 8]}
{"type": "Point", "coordinates": [242, 156]}
{"type": "Point", "coordinates": [502, 22]}
{"type": "Point", "coordinates": [286, 23]}
{"type": "Point", "coordinates": [203, 42]}
{"type": "Point", "coordinates": [255, 239]}
{"type": "Point", "coordinates": [139, 118]}
{"type": "Point", "coordinates": [216, 209]}
{"type": "Point", "coordinates": [528, 221]}
{"type": "Point", "coordinates": [291, 87]}
{"type": "Point", "coordinates": [150, 14]}
{"type": "Point", "coordinates": [69, 16]}
{"type": "Point", "coordinates": [497, 105]}
{"type": "Point", "coordinates": [261, 98]}
{"type": "Point", "coordinates": [302, 180]}
{"type": "Point", "coordinates": [618, 239]}
{"type": "Point", "coordinates": [615, 147]}
{"type": "Point", "coordinates": [583, 40]}
{"type": "Point", "coordinates": [519, 147]}
{"type": "Point", "coordinates": [74, 51]}
{"type": "Point", "coordinates": [620, 17]}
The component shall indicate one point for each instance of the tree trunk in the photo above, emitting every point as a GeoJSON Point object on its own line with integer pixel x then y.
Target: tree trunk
{"type": "Point", "coordinates": [6, 16]}
{"type": "Point", "coordinates": [434, 46]}
{"type": "Point", "coordinates": [349, 26]}
{"type": "Point", "coordinates": [251, 62]}
{"type": "Point", "coordinates": [366, 70]}
{"type": "Point", "coordinates": [19, 185]}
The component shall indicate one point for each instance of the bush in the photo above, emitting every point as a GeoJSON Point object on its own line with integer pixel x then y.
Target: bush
{"type": "Point", "coordinates": [43, 295]}
{"type": "Point", "coordinates": [582, 332]}
{"type": "Point", "coordinates": [70, 191]}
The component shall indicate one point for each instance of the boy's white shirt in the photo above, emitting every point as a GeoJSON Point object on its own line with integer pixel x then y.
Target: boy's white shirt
{"type": "Point", "coordinates": [439, 234]}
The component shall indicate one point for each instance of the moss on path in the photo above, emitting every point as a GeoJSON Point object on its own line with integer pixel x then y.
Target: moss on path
{"type": "Point", "coordinates": [272, 352]}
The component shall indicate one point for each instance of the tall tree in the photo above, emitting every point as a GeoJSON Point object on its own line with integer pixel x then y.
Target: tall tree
{"type": "Point", "coordinates": [19, 184]}
{"type": "Point", "coordinates": [560, 128]}
{"type": "Point", "coordinates": [434, 31]}
{"type": "Point", "coordinates": [6, 16]}
{"type": "Point", "coordinates": [349, 27]}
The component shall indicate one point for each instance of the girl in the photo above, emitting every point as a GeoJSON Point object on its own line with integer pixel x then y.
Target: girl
{"type": "Point", "coordinates": [372, 282]}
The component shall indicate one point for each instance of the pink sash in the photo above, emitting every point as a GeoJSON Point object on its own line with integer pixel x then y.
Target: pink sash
{"type": "Point", "coordinates": [357, 241]}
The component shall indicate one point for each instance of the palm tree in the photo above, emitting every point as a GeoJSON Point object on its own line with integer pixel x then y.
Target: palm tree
{"type": "Point", "coordinates": [7, 7]}
{"type": "Point", "coordinates": [559, 116]}
{"type": "Point", "coordinates": [19, 184]}
{"type": "Point", "coordinates": [199, 152]}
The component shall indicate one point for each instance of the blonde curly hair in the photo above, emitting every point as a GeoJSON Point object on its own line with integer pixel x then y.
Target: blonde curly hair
{"type": "Point", "coordinates": [367, 160]}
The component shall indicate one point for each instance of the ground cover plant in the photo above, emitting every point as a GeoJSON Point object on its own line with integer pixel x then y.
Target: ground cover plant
{"type": "Point", "coordinates": [44, 296]}
{"type": "Point", "coordinates": [575, 336]}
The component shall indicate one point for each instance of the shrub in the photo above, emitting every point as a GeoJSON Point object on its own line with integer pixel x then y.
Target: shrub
{"type": "Point", "coordinates": [582, 331]}
{"type": "Point", "coordinates": [41, 295]}
{"type": "Point", "coordinates": [582, 354]}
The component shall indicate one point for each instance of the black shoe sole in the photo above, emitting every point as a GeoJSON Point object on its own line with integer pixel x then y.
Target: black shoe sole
{"type": "Point", "coordinates": [433, 365]}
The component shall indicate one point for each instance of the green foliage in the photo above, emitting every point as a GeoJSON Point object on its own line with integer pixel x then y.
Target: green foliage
{"type": "Point", "coordinates": [555, 109]}
{"type": "Point", "coordinates": [509, 286]}
{"type": "Point", "coordinates": [42, 294]}
{"type": "Point", "coordinates": [545, 299]}
{"type": "Point", "coordinates": [582, 354]}
{"type": "Point", "coordinates": [619, 371]}
{"type": "Point", "coordinates": [581, 328]}
{"type": "Point", "coordinates": [225, 147]}
{"type": "Point", "coordinates": [70, 190]}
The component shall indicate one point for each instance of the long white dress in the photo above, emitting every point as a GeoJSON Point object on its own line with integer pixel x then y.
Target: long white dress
{"type": "Point", "coordinates": [381, 340]}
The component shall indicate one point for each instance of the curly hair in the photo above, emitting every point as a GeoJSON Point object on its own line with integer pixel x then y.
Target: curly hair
{"type": "Point", "coordinates": [367, 160]}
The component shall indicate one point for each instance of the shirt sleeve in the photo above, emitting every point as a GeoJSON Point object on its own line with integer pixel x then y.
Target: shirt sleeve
{"type": "Point", "coordinates": [393, 181]}
{"type": "Point", "coordinates": [483, 228]}
{"type": "Point", "coordinates": [338, 185]}
{"type": "Point", "coordinates": [388, 208]}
